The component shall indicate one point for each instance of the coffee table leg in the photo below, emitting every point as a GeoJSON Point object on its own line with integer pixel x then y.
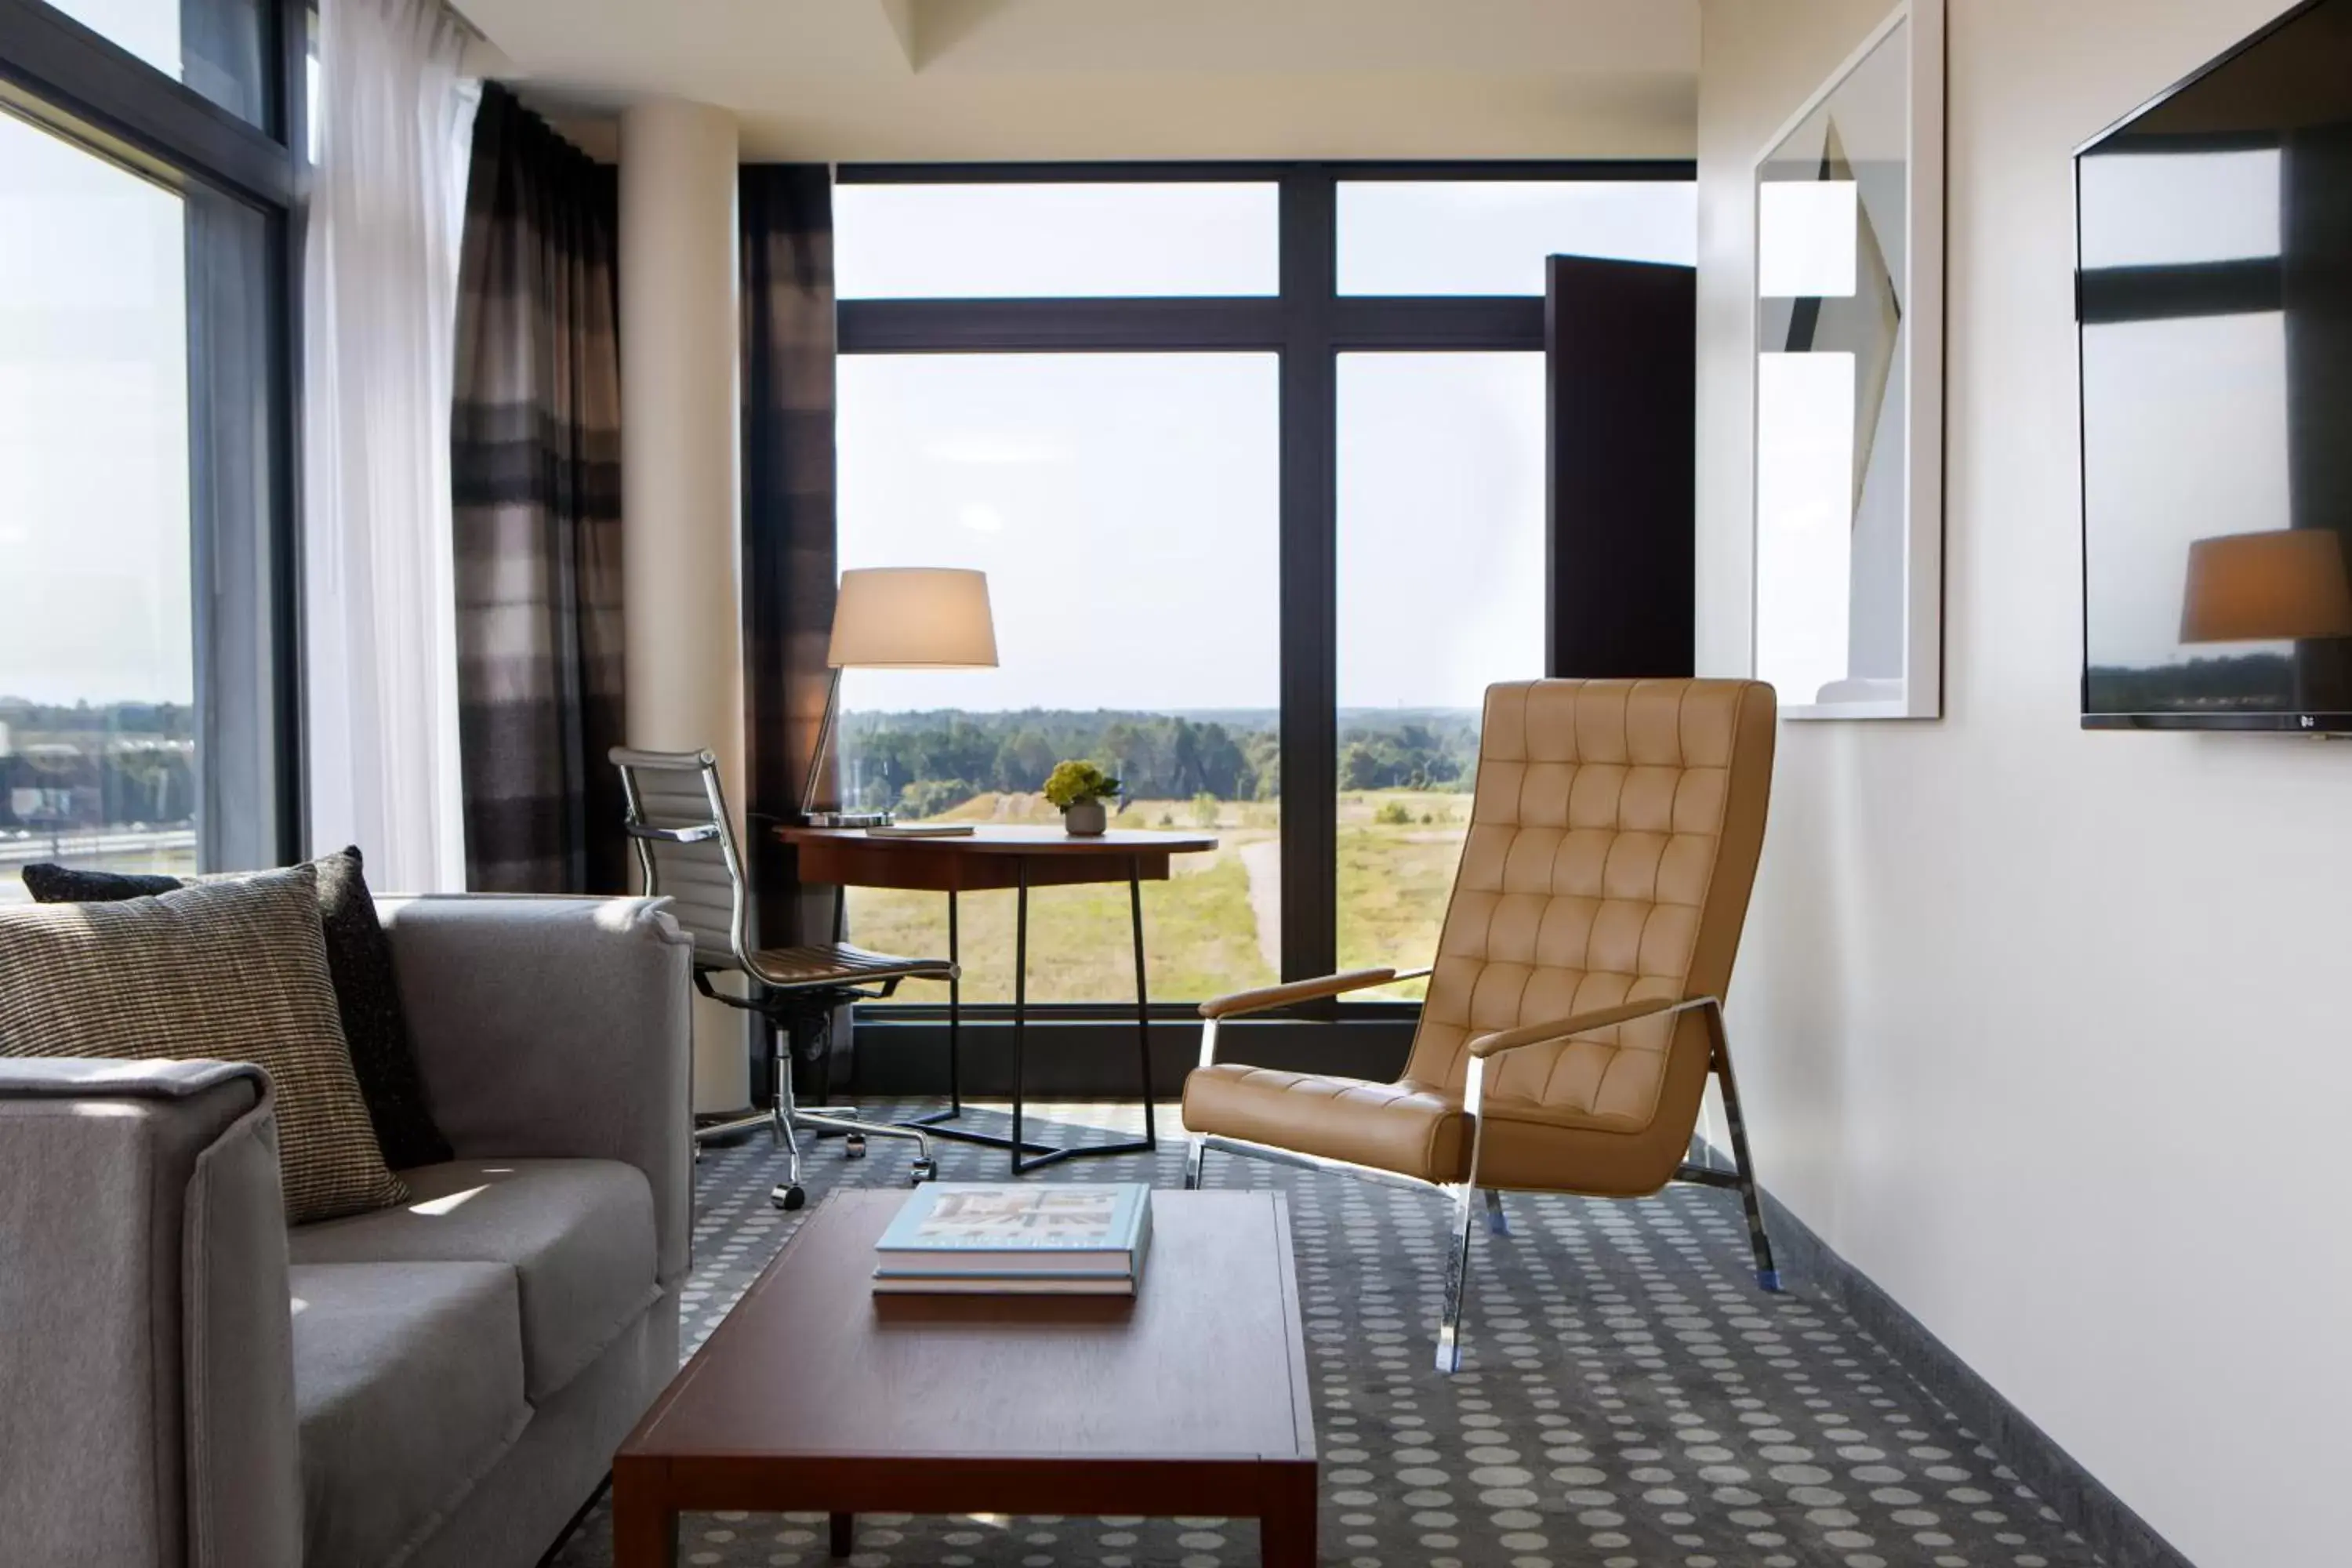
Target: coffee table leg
{"type": "Point", "coordinates": [843, 1529]}
{"type": "Point", "coordinates": [1287, 1531]}
{"type": "Point", "coordinates": [645, 1532]}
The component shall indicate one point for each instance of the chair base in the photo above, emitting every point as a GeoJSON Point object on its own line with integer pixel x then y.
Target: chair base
{"type": "Point", "coordinates": [1465, 1208]}
{"type": "Point", "coordinates": [1698, 1168]}
{"type": "Point", "coordinates": [728, 1127]}
{"type": "Point", "coordinates": [783, 1011]}
{"type": "Point", "coordinates": [788, 1120]}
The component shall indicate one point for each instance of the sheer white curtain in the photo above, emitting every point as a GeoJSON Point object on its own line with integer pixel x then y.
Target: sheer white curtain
{"type": "Point", "coordinates": [380, 290]}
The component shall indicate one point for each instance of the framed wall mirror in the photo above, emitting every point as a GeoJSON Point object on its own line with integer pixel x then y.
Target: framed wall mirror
{"type": "Point", "coordinates": [1848, 303]}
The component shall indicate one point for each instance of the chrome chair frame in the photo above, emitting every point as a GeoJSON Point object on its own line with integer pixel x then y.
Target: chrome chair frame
{"type": "Point", "coordinates": [782, 1002]}
{"type": "Point", "coordinates": [1464, 1195]}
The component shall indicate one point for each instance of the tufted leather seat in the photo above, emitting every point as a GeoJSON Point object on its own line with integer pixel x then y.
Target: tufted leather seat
{"type": "Point", "coordinates": [1612, 842]}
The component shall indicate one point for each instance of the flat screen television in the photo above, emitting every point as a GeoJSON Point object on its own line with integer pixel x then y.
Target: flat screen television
{"type": "Point", "coordinates": [2213, 292]}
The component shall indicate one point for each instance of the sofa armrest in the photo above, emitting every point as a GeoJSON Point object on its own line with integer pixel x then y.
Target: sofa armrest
{"type": "Point", "coordinates": [557, 1027]}
{"type": "Point", "coordinates": [146, 1337]}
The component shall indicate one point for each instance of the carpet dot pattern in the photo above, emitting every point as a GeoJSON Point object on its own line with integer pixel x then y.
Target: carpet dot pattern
{"type": "Point", "coordinates": [1628, 1398]}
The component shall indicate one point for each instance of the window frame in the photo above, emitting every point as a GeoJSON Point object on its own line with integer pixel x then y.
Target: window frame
{"type": "Point", "coordinates": [1307, 324]}
{"type": "Point", "coordinates": [69, 81]}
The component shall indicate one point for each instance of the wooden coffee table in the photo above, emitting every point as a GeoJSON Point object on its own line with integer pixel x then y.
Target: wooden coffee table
{"type": "Point", "coordinates": [816, 1394]}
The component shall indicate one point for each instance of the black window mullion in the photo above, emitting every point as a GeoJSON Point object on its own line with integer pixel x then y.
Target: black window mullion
{"type": "Point", "coordinates": [57, 72]}
{"type": "Point", "coordinates": [1060, 326]}
{"type": "Point", "coordinates": [288, 613]}
{"type": "Point", "coordinates": [1374, 323]}
{"type": "Point", "coordinates": [1309, 590]}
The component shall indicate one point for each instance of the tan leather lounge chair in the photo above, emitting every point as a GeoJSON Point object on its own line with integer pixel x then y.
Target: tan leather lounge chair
{"type": "Point", "coordinates": [1575, 1005]}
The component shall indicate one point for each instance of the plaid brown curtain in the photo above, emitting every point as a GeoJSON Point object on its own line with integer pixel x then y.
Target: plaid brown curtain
{"type": "Point", "coordinates": [786, 212]}
{"type": "Point", "coordinates": [536, 464]}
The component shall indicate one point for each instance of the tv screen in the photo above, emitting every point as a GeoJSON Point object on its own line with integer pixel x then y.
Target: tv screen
{"type": "Point", "coordinates": [2214, 296]}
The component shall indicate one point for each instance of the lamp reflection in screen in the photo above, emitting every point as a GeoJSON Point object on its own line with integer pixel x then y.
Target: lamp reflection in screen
{"type": "Point", "coordinates": [2285, 585]}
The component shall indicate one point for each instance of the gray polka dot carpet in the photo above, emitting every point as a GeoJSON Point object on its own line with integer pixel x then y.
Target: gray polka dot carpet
{"type": "Point", "coordinates": [1628, 1398]}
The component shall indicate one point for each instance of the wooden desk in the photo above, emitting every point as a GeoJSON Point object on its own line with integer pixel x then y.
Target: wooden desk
{"type": "Point", "coordinates": [816, 1394]}
{"type": "Point", "coordinates": [991, 857]}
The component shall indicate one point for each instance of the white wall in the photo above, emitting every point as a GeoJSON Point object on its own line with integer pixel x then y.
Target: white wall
{"type": "Point", "coordinates": [681, 341]}
{"type": "Point", "coordinates": [2038, 1023]}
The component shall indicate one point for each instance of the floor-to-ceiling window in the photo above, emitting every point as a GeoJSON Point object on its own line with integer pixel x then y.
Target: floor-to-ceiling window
{"type": "Point", "coordinates": [1254, 458]}
{"type": "Point", "coordinates": [145, 437]}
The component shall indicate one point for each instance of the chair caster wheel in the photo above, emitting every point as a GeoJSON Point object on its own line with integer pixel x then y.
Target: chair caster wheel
{"type": "Point", "coordinates": [853, 1146]}
{"type": "Point", "coordinates": [924, 1171]}
{"type": "Point", "coordinates": [788, 1198]}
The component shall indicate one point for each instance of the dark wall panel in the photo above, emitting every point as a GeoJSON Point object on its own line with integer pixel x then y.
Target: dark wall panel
{"type": "Point", "coordinates": [1621, 345]}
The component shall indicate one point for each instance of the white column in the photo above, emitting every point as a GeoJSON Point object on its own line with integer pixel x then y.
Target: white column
{"type": "Point", "coordinates": [680, 347]}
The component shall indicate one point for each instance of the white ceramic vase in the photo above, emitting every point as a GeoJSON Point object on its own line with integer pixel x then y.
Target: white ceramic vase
{"type": "Point", "coordinates": [1085, 819]}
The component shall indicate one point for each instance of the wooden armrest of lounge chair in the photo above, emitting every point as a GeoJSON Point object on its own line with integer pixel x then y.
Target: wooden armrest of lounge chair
{"type": "Point", "coordinates": [1258, 1001]}
{"type": "Point", "coordinates": [1485, 1045]}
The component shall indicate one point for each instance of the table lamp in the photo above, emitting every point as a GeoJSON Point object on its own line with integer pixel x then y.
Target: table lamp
{"type": "Point", "coordinates": [898, 617]}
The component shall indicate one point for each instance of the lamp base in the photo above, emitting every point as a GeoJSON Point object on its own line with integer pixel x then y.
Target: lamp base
{"type": "Point", "coordinates": [849, 818]}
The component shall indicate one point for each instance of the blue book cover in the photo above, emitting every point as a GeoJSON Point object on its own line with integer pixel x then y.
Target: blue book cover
{"type": "Point", "coordinates": [1056, 1227]}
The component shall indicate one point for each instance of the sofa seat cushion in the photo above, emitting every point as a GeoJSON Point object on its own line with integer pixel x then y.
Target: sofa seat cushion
{"type": "Point", "coordinates": [578, 1235]}
{"type": "Point", "coordinates": [408, 1388]}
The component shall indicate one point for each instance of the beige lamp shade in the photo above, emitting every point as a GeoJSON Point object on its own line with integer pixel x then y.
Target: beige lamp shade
{"type": "Point", "coordinates": [912, 617]}
{"type": "Point", "coordinates": [2266, 587]}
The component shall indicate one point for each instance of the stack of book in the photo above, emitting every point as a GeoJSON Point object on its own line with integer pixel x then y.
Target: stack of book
{"type": "Point", "coordinates": [1037, 1239]}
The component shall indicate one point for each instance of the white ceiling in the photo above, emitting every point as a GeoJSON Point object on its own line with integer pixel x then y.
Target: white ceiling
{"type": "Point", "coordinates": [961, 79]}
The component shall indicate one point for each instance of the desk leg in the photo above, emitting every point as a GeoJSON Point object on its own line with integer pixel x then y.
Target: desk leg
{"type": "Point", "coordinates": [955, 1013]}
{"type": "Point", "coordinates": [841, 1532]}
{"type": "Point", "coordinates": [1020, 998]}
{"type": "Point", "coordinates": [934, 1121]}
{"type": "Point", "coordinates": [1142, 999]}
{"type": "Point", "coordinates": [645, 1531]}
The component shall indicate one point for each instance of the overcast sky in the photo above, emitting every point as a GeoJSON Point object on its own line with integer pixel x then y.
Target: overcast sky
{"type": "Point", "coordinates": [94, 563]}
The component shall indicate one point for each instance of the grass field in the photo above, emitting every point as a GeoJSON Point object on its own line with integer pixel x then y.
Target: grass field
{"type": "Point", "coordinates": [1207, 928]}
{"type": "Point", "coordinates": [1394, 876]}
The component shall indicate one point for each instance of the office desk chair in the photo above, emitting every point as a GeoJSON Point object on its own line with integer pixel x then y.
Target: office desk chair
{"type": "Point", "coordinates": [685, 845]}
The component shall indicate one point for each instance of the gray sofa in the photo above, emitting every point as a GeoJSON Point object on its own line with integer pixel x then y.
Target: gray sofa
{"type": "Point", "coordinates": [184, 1381]}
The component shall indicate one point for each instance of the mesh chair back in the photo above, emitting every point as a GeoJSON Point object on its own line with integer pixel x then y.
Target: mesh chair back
{"type": "Point", "coordinates": [685, 845]}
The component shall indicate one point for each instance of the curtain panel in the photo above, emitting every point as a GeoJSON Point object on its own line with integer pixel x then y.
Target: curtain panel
{"type": "Point", "coordinates": [786, 213]}
{"type": "Point", "coordinates": [535, 447]}
{"type": "Point", "coordinates": [379, 292]}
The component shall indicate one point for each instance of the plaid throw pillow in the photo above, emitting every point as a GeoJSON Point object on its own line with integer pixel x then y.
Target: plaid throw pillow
{"type": "Point", "coordinates": [228, 971]}
{"type": "Point", "coordinates": [358, 961]}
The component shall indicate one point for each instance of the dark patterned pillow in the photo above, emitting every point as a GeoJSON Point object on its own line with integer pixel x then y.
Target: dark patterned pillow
{"type": "Point", "coordinates": [64, 885]}
{"type": "Point", "coordinates": [367, 995]}
{"type": "Point", "coordinates": [229, 971]}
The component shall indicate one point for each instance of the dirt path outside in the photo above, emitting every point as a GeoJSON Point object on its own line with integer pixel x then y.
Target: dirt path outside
{"type": "Point", "coordinates": [1263, 862]}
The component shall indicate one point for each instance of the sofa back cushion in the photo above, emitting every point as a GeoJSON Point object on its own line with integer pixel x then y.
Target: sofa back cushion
{"type": "Point", "coordinates": [229, 972]}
